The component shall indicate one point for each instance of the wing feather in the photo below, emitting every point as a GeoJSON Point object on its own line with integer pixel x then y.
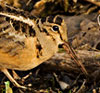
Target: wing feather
{"type": "Point", "coordinates": [14, 29]}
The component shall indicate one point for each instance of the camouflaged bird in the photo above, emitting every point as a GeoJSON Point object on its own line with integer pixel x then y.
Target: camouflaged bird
{"type": "Point", "coordinates": [27, 41]}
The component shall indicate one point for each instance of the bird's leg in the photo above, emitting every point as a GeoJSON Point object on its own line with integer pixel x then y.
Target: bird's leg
{"type": "Point", "coordinates": [5, 71]}
{"type": "Point", "coordinates": [15, 75]}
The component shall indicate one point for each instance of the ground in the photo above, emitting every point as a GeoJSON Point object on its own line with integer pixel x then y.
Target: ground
{"type": "Point", "coordinates": [60, 74]}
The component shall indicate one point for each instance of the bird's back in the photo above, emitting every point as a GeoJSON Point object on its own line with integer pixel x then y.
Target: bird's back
{"type": "Point", "coordinates": [20, 48]}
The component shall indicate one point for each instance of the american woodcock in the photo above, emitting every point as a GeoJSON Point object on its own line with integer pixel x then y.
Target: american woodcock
{"type": "Point", "coordinates": [26, 42]}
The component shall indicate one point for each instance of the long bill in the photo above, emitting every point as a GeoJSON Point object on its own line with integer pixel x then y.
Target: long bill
{"type": "Point", "coordinates": [73, 55]}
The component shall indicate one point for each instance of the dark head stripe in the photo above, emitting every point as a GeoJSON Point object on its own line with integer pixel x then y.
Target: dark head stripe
{"type": "Point", "coordinates": [45, 31]}
{"type": "Point", "coordinates": [32, 31]}
{"type": "Point", "coordinates": [1, 8]}
{"type": "Point", "coordinates": [58, 20]}
{"type": "Point", "coordinates": [43, 19]}
{"type": "Point", "coordinates": [50, 19]}
{"type": "Point", "coordinates": [37, 21]}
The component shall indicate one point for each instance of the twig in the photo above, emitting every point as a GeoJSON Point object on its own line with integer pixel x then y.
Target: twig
{"type": "Point", "coordinates": [28, 2]}
{"type": "Point", "coordinates": [98, 19]}
{"type": "Point", "coordinates": [82, 87]}
{"type": "Point", "coordinates": [93, 2]}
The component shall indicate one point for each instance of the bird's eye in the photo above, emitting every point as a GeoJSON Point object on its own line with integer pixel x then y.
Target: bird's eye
{"type": "Point", "coordinates": [55, 28]}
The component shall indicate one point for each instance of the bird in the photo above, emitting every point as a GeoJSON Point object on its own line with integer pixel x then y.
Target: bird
{"type": "Point", "coordinates": [27, 41]}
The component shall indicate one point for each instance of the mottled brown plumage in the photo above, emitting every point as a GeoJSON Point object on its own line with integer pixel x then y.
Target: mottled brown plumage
{"type": "Point", "coordinates": [26, 42]}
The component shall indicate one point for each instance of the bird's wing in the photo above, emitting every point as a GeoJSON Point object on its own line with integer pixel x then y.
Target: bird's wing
{"type": "Point", "coordinates": [15, 28]}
